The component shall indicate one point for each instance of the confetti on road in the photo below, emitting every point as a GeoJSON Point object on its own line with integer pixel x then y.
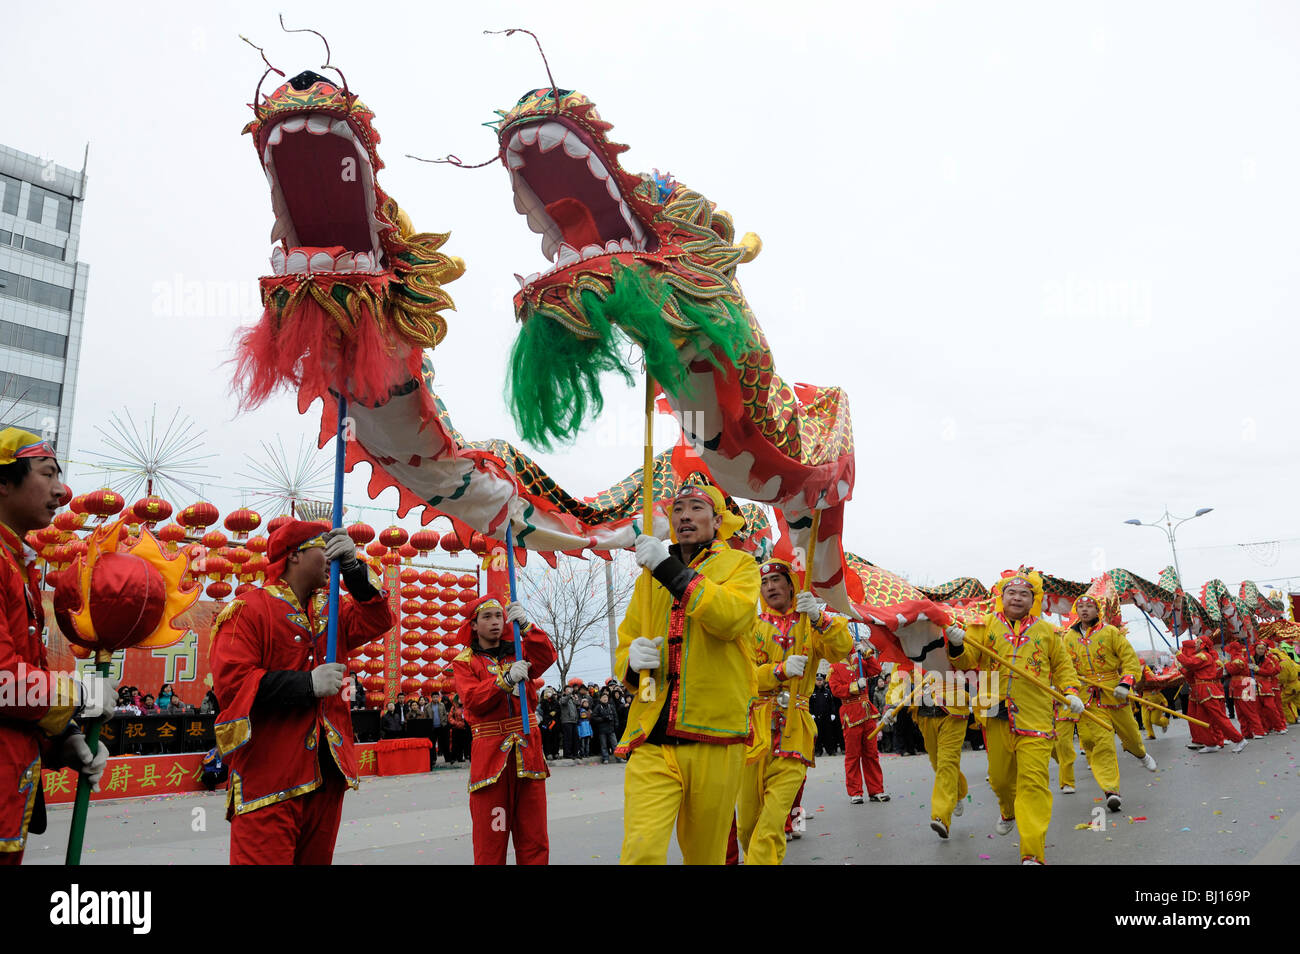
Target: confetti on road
{"type": "Point", "coordinates": [985, 857]}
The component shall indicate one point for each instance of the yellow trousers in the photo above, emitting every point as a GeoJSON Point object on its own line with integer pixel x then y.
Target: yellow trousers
{"type": "Point", "coordinates": [1153, 717]}
{"type": "Point", "coordinates": [1288, 704]}
{"type": "Point", "coordinates": [767, 794]}
{"type": "Point", "coordinates": [944, 736]}
{"type": "Point", "coordinates": [693, 785]}
{"type": "Point", "coordinates": [1018, 775]}
{"type": "Point", "coordinates": [1064, 752]}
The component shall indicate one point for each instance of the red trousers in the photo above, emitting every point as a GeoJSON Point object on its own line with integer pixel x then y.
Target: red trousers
{"type": "Point", "coordinates": [299, 831]}
{"type": "Point", "coordinates": [510, 806]}
{"type": "Point", "coordinates": [1248, 717]}
{"type": "Point", "coordinates": [1270, 714]}
{"type": "Point", "coordinates": [862, 760]}
{"type": "Point", "coordinates": [1221, 727]}
{"type": "Point", "coordinates": [733, 844]}
{"type": "Point", "coordinates": [1210, 736]}
{"type": "Point", "coordinates": [797, 808]}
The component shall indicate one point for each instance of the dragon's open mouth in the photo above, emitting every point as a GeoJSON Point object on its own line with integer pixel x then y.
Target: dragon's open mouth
{"type": "Point", "coordinates": [323, 194]}
{"type": "Point", "coordinates": [569, 196]}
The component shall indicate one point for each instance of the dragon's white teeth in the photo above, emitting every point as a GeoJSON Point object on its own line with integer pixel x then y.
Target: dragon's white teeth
{"type": "Point", "coordinates": [363, 261]}
{"type": "Point", "coordinates": [532, 278]}
{"type": "Point", "coordinates": [613, 245]}
{"type": "Point", "coordinates": [574, 147]}
{"type": "Point", "coordinates": [612, 188]}
{"type": "Point", "coordinates": [520, 279]}
{"type": "Point", "coordinates": [340, 127]}
{"type": "Point", "coordinates": [516, 143]}
{"type": "Point", "coordinates": [277, 261]}
{"type": "Point", "coordinates": [632, 223]}
{"type": "Point", "coordinates": [277, 134]}
{"type": "Point", "coordinates": [514, 160]}
{"type": "Point", "coordinates": [596, 167]}
{"type": "Point", "coordinates": [528, 135]}
{"type": "Point", "coordinates": [294, 124]}
{"type": "Point", "coordinates": [345, 262]}
{"type": "Point", "coordinates": [550, 136]}
{"type": "Point", "coordinates": [568, 255]}
{"type": "Point", "coordinates": [550, 243]}
{"type": "Point", "coordinates": [626, 245]}
{"type": "Point", "coordinates": [318, 124]}
{"type": "Point", "coordinates": [296, 262]}
{"type": "Point", "coordinates": [321, 262]}
{"type": "Point", "coordinates": [280, 230]}
{"type": "Point", "coordinates": [589, 251]}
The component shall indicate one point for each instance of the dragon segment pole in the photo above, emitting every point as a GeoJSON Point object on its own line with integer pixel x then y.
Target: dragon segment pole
{"type": "Point", "coordinates": [647, 683]}
{"type": "Point", "coordinates": [519, 643]}
{"type": "Point", "coordinates": [802, 626]}
{"type": "Point", "coordinates": [332, 627]}
{"type": "Point", "coordinates": [80, 808]}
{"type": "Point", "coordinates": [1150, 705]}
{"type": "Point", "coordinates": [1059, 697]}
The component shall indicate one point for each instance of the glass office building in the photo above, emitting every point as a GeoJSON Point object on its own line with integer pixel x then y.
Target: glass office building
{"type": "Point", "coordinates": [42, 294]}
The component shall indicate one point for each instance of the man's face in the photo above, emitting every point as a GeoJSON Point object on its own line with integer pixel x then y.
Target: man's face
{"type": "Point", "coordinates": [694, 522]}
{"type": "Point", "coordinates": [314, 569]}
{"type": "Point", "coordinates": [778, 592]}
{"type": "Point", "coordinates": [1088, 611]}
{"type": "Point", "coordinates": [33, 503]}
{"type": "Point", "coordinates": [1016, 600]}
{"type": "Point", "coordinates": [489, 624]}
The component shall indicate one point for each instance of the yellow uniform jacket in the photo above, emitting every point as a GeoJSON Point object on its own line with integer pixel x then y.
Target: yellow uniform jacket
{"type": "Point", "coordinates": [1103, 655]}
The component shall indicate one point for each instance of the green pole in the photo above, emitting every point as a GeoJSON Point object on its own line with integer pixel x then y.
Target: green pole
{"type": "Point", "coordinates": [103, 665]}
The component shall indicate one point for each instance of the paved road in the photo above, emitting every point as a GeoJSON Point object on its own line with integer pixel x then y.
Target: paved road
{"type": "Point", "coordinates": [1199, 809]}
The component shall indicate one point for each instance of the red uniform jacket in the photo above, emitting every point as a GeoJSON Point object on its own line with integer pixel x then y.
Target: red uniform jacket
{"type": "Point", "coordinates": [1239, 670]}
{"type": "Point", "coordinates": [493, 713]}
{"type": "Point", "coordinates": [47, 700]}
{"type": "Point", "coordinates": [272, 748]}
{"type": "Point", "coordinates": [1266, 671]}
{"type": "Point", "coordinates": [1202, 670]}
{"type": "Point", "coordinates": [857, 707]}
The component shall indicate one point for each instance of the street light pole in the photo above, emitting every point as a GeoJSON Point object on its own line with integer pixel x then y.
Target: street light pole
{"type": "Point", "coordinates": [1170, 530]}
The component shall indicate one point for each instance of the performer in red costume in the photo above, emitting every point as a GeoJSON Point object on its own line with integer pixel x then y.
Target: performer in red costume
{"type": "Point", "coordinates": [858, 717]}
{"type": "Point", "coordinates": [38, 714]}
{"type": "Point", "coordinates": [285, 730]}
{"type": "Point", "coordinates": [1267, 670]}
{"type": "Point", "coordinates": [507, 772]}
{"type": "Point", "coordinates": [1245, 693]}
{"type": "Point", "coordinates": [1201, 663]}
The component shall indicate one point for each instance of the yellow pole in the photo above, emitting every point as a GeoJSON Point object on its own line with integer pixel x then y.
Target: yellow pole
{"type": "Point", "coordinates": [1137, 697]}
{"type": "Point", "coordinates": [1059, 697]}
{"type": "Point", "coordinates": [880, 724]}
{"type": "Point", "coordinates": [803, 624]}
{"type": "Point", "coordinates": [647, 684]}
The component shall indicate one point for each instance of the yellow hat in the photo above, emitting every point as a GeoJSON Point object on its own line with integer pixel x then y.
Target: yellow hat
{"type": "Point", "coordinates": [1025, 576]}
{"type": "Point", "coordinates": [731, 522]}
{"type": "Point", "coordinates": [16, 444]}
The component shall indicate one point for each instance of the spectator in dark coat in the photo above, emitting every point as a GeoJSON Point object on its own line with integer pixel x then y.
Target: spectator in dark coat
{"type": "Point", "coordinates": [549, 723]}
{"type": "Point", "coordinates": [569, 722]}
{"type": "Point", "coordinates": [604, 720]}
{"type": "Point", "coordinates": [821, 705]}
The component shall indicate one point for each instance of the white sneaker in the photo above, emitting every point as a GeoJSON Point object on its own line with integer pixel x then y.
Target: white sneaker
{"type": "Point", "coordinates": [958, 808]}
{"type": "Point", "coordinates": [1113, 801]}
{"type": "Point", "coordinates": [939, 828]}
{"type": "Point", "coordinates": [1149, 762]}
{"type": "Point", "coordinates": [1195, 746]}
{"type": "Point", "coordinates": [1004, 825]}
{"type": "Point", "coordinates": [1240, 745]}
{"type": "Point", "coordinates": [1208, 749]}
{"type": "Point", "coordinates": [1281, 731]}
{"type": "Point", "coordinates": [1030, 861]}
{"type": "Point", "coordinates": [855, 799]}
{"type": "Point", "coordinates": [796, 835]}
{"type": "Point", "coordinates": [1067, 789]}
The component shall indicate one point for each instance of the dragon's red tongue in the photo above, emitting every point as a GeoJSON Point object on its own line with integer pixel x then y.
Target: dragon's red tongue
{"type": "Point", "coordinates": [575, 221]}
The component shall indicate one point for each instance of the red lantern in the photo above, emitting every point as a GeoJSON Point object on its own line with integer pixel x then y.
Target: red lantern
{"type": "Point", "coordinates": [373, 683]}
{"type": "Point", "coordinates": [240, 555]}
{"type": "Point", "coordinates": [450, 653]}
{"type": "Point", "coordinates": [197, 517]}
{"type": "Point", "coordinates": [257, 544]}
{"type": "Point", "coordinates": [278, 522]}
{"type": "Point", "coordinates": [409, 591]}
{"type": "Point", "coordinates": [428, 577]}
{"type": "Point", "coordinates": [447, 579]}
{"type": "Point", "coordinates": [390, 559]}
{"type": "Point", "coordinates": [451, 544]}
{"type": "Point", "coordinates": [393, 537]}
{"type": "Point", "coordinates": [215, 540]}
{"type": "Point", "coordinates": [376, 550]}
{"type": "Point", "coordinates": [104, 502]}
{"type": "Point", "coordinates": [478, 544]}
{"type": "Point", "coordinates": [429, 624]}
{"type": "Point", "coordinates": [411, 653]}
{"type": "Point", "coordinates": [468, 580]}
{"type": "Point", "coordinates": [355, 665]}
{"type": "Point", "coordinates": [172, 534]}
{"type": "Point", "coordinates": [451, 625]}
{"type": "Point", "coordinates": [77, 504]}
{"type": "Point", "coordinates": [410, 622]}
{"type": "Point", "coordinates": [69, 521]}
{"type": "Point", "coordinates": [409, 575]}
{"type": "Point", "coordinates": [430, 670]}
{"type": "Point", "coordinates": [361, 533]}
{"type": "Point", "coordinates": [373, 666]}
{"type": "Point", "coordinates": [149, 510]}
{"type": "Point", "coordinates": [219, 590]}
{"type": "Point", "coordinates": [375, 648]}
{"type": "Point", "coordinates": [432, 654]}
{"type": "Point", "coordinates": [243, 521]}
{"type": "Point", "coordinates": [425, 540]}
{"type": "Point", "coordinates": [410, 639]}
{"type": "Point", "coordinates": [467, 596]}
{"type": "Point", "coordinates": [409, 686]}
{"type": "Point", "coordinates": [408, 552]}
{"type": "Point", "coordinates": [410, 669]}
{"type": "Point", "coordinates": [243, 588]}
{"type": "Point", "coordinates": [410, 607]}
{"type": "Point", "coordinates": [429, 592]}
{"type": "Point", "coordinates": [215, 566]}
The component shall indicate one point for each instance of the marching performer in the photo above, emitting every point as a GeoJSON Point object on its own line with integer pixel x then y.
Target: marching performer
{"type": "Point", "coordinates": [777, 760]}
{"type": "Point", "coordinates": [685, 744]}
{"type": "Point", "coordinates": [1267, 671]}
{"type": "Point", "coordinates": [1152, 717]}
{"type": "Point", "coordinates": [1102, 655]}
{"type": "Point", "coordinates": [1019, 729]}
{"type": "Point", "coordinates": [1242, 686]}
{"type": "Point", "coordinates": [1201, 663]}
{"type": "Point", "coordinates": [1288, 680]}
{"type": "Point", "coordinates": [38, 723]}
{"type": "Point", "coordinates": [285, 729]}
{"type": "Point", "coordinates": [507, 770]}
{"type": "Point", "coordinates": [850, 681]}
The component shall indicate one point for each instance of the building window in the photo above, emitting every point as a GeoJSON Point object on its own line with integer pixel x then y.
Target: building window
{"type": "Point", "coordinates": [43, 248]}
{"type": "Point", "coordinates": [29, 289]}
{"type": "Point", "coordinates": [6, 237]}
{"type": "Point", "coordinates": [36, 209]}
{"type": "Point", "coordinates": [19, 387]}
{"type": "Point", "coordinates": [9, 188]}
{"type": "Point", "coordinates": [24, 338]}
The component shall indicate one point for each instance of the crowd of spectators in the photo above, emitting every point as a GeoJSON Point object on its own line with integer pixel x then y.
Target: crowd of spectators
{"type": "Point", "coordinates": [572, 717]}
{"type": "Point", "coordinates": [439, 717]}
{"type": "Point", "coordinates": [131, 701]}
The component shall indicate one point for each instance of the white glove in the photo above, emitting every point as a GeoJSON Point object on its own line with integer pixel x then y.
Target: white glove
{"type": "Point", "coordinates": [794, 665]}
{"type": "Point", "coordinates": [1076, 704]}
{"type": "Point", "coordinates": [805, 602]}
{"type": "Point", "coordinates": [956, 636]}
{"type": "Point", "coordinates": [1121, 693]}
{"type": "Point", "coordinates": [857, 685]}
{"type": "Point", "coordinates": [650, 551]}
{"type": "Point", "coordinates": [98, 696]}
{"type": "Point", "coordinates": [888, 718]}
{"type": "Point", "coordinates": [518, 672]}
{"type": "Point", "coordinates": [327, 679]}
{"type": "Point", "coordinates": [339, 546]}
{"type": "Point", "coordinates": [643, 654]}
{"type": "Point", "coordinates": [515, 613]}
{"type": "Point", "coordinates": [76, 753]}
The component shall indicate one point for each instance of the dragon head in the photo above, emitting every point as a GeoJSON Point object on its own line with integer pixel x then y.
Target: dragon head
{"type": "Point", "coordinates": [339, 239]}
{"type": "Point", "coordinates": [643, 253]}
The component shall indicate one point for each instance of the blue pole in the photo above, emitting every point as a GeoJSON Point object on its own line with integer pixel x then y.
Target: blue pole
{"type": "Point", "coordinates": [332, 631]}
{"type": "Point", "coordinates": [1154, 627]}
{"type": "Point", "coordinates": [519, 643]}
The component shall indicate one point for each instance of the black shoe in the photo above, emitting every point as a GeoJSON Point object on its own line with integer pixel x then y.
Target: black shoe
{"type": "Point", "coordinates": [879, 797]}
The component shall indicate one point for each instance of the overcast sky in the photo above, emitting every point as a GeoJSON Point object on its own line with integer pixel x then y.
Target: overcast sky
{"type": "Point", "coordinates": [1048, 250]}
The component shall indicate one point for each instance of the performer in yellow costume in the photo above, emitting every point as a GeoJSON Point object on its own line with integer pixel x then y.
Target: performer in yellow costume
{"type": "Point", "coordinates": [1063, 751]}
{"type": "Point", "coordinates": [685, 745]}
{"type": "Point", "coordinates": [1102, 654]}
{"type": "Point", "coordinates": [1288, 680]}
{"type": "Point", "coordinates": [1152, 717]}
{"type": "Point", "coordinates": [1019, 729]}
{"type": "Point", "coordinates": [778, 759]}
{"type": "Point", "coordinates": [941, 714]}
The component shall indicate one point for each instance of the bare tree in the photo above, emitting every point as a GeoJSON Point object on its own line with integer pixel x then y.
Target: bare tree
{"type": "Point", "coordinates": [573, 604]}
